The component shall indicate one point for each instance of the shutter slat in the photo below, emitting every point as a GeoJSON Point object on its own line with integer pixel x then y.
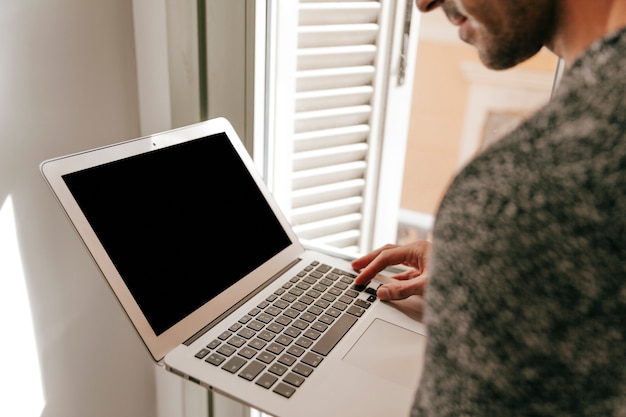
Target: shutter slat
{"type": "Point", "coordinates": [328, 174]}
{"type": "Point", "coordinates": [336, 12]}
{"type": "Point", "coordinates": [332, 57]}
{"type": "Point", "coordinates": [327, 79]}
{"type": "Point", "coordinates": [326, 119]}
{"type": "Point", "coordinates": [337, 35]}
{"type": "Point", "coordinates": [340, 136]}
{"type": "Point", "coordinates": [328, 226]}
{"type": "Point", "coordinates": [324, 157]}
{"type": "Point", "coordinates": [338, 97]}
{"type": "Point", "coordinates": [333, 208]}
{"type": "Point", "coordinates": [335, 191]}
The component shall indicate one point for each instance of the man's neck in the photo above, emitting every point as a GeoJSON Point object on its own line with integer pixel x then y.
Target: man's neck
{"type": "Point", "coordinates": [581, 22]}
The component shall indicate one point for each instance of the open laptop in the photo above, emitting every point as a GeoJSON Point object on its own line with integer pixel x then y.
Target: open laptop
{"type": "Point", "coordinates": [219, 287]}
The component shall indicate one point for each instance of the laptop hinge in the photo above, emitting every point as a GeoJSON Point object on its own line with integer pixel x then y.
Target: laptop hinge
{"type": "Point", "coordinates": [239, 304]}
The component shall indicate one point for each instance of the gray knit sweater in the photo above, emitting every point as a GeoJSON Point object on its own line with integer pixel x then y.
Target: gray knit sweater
{"type": "Point", "coordinates": [526, 307]}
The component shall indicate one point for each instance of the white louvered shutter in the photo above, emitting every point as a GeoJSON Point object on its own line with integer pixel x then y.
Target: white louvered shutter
{"type": "Point", "coordinates": [330, 81]}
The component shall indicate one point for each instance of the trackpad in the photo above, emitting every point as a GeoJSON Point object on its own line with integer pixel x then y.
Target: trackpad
{"type": "Point", "coordinates": [390, 352]}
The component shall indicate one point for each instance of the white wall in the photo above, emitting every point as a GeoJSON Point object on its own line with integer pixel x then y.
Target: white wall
{"type": "Point", "coordinates": [67, 83]}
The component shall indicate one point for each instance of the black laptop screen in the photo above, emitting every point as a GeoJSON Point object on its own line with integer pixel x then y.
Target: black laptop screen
{"type": "Point", "coordinates": [181, 224]}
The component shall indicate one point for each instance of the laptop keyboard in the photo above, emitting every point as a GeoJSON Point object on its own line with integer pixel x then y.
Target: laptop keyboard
{"type": "Point", "coordinates": [280, 342]}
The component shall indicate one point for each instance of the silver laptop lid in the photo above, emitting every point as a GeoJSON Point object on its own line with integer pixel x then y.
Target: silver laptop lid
{"type": "Point", "coordinates": [180, 224]}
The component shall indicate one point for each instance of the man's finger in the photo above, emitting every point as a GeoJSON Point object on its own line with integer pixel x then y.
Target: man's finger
{"type": "Point", "coordinates": [399, 290]}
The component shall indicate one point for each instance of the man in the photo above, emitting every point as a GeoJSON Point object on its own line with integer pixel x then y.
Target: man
{"type": "Point", "coordinates": [525, 282]}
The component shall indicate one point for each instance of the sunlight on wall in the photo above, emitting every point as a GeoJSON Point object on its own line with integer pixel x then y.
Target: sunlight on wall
{"type": "Point", "coordinates": [20, 383]}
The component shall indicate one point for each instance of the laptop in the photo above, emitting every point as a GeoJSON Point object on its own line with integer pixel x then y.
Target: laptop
{"type": "Point", "coordinates": [220, 289]}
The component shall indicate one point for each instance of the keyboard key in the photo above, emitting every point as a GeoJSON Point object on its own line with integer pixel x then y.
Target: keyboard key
{"type": "Point", "coordinates": [258, 344]}
{"type": "Point", "coordinates": [236, 341]}
{"type": "Point", "coordinates": [287, 360]}
{"type": "Point", "coordinates": [352, 293]}
{"type": "Point", "coordinates": [334, 291]}
{"type": "Point", "coordinates": [296, 291]}
{"type": "Point", "coordinates": [264, 318]}
{"type": "Point", "coordinates": [356, 311]}
{"type": "Point", "coordinates": [284, 320]}
{"type": "Point", "coordinates": [334, 334]}
{"type": "Point", "coordinates": [213, 344]}
{"type": "Point", "coordinates": [303, 286]}
{"type": "Point", "coordinates": [247, 352]}
{"type": "Point", "coordinates": [304, 342]}
{"type": "Point", "coordinates": [332, 276]}
{"type": "Point", "coordinates": [293, 379]}
{"type": "Point", "coordinates": [316, 274]}
{"type": "Point", "coordinates": [284, 340]}
{"type": "Point", "coordinates": [226, 350]}
{"type": "Point", "coordinates": [301, 324]}
{"type": "Point", "coordinates": [362, 303]}
{"type": "Point", "coordinates": [266, 336]}
{"type": "Point", "coordinates": [278, 369]}
{"type": "Point", "coordinates": [341, 286]}
{"type": "Point", "coordinates": [346, 280]}
{"type": "Point", "coordinates": [340, 306]}
{"type": "Point", "coordinates": [255, 325]}
{"type": "Point", "coordinates": [292, 332]}
{"type": "Point", "coordinates": [266, 357]}
{"type": "Point", "coordinates": [308, 317]}
{"type": "Point", "coordinates": [345, 299]}
{"type": "Point", "coordinates": [234, 364]}
{"type": "Point", "coordinates": [275, 348]}
{"type": "Point", "coordinates": [329, 297]}
{"type": "Point", "coordinates": [284, 390]}
{"type": "Point", "coordinates": [291, 313]}
{"type": "Point", "coordinates": [235, 327]}
{"type": "Point", "coordinates": [273, 311]}
{"type": "Point", "coordinates": [313, 293]}
{"type": "Point", "coordinates": [202, 353]}
{"type": "Point", "coordinates": [312, 334]}
{"type": "Point", "coordinates": [305, 299]}
{"type": "Point", "coordinates": [370, 290]}
{"type": "Point", "coordinates": [246, 333]}
{"type": "Point", "coordinates": [275, 327]}
{"type": "Point", "coordinates": [295, 350]}
{"type": "Point", "coordinates": [254, 311]}
{"type": "Point", "coordinates": [326, 282]}
{"type": "Point", "coordinates": [312, 359]}
{"type": "Point", "coordinates": [288, 298]}
{"type": "Point", "coordinates": [252, 370]}
{"type": "Point", "coordinates": [215, 359]}
{"type": "Point", "coordinates": [302, 369]}
{"type": "Point", "coordinates": [267, 380]}
{"type": "Point", "coordinates": [320, 327]}
{"type": "Point", "coordinates": [315, 310]}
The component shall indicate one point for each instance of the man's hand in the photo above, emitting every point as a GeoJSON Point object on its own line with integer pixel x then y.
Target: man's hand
{"type": "Point", "coordinates": [412, 282]}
